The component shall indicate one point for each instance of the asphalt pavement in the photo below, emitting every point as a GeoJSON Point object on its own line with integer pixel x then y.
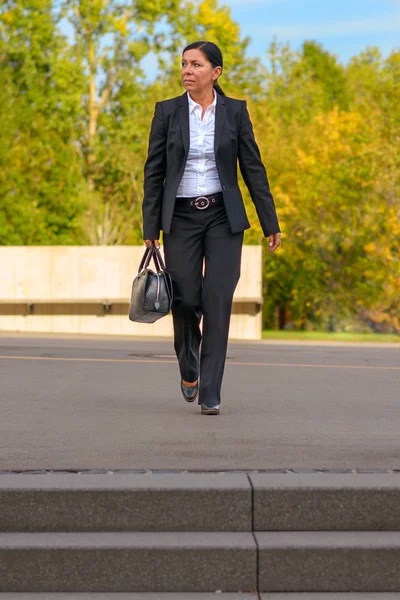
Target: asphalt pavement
{"type": "Point", "coordinates": [87, 402]}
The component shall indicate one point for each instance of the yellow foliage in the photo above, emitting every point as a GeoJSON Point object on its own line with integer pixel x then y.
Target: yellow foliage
{"type": "Point", "coordinates": [121, 25]}
{"type": "Point", "coordinates": [370, 248]}
{"type": "Point", "coordinates": [7, 17]}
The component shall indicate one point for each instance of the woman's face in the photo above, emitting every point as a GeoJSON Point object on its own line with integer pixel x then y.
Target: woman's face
{"type": "Point", "coordinates": [197, 72]}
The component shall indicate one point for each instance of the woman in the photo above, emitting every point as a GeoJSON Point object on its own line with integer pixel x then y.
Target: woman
{"type": "Point", "coordinates": [191, 192]}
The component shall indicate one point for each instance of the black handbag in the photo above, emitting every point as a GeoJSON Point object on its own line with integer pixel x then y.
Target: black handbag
{"type": "Point", "coordinates": [151, 296]}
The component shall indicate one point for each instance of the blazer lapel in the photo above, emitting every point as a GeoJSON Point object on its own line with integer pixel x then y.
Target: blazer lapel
{"type": "Point", "coordinates": [219, 120]}
{"type": "Point", "coordinates": [184, 120]}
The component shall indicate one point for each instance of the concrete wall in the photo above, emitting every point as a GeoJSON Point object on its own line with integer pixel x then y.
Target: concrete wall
{"type": "Point", "coordinates": [99, 272]}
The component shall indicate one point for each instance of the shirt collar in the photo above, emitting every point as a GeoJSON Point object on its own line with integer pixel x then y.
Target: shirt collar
{"type": "Point", "coordinates": [193, 104]}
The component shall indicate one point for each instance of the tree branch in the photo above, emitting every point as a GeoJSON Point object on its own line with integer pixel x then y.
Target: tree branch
{"type": "Point", "coordinates": [110, 82]}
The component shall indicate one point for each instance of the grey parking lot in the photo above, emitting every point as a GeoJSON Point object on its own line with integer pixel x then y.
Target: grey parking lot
{"type": "Point", "coordinates": [87, 402]}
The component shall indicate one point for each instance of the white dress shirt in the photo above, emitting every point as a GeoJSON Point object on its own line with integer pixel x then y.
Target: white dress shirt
{"type": "Point", "coordinates": [200, 177]}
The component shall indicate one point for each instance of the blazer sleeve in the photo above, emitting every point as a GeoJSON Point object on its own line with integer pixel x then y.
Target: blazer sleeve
{"type": "Point", "coordinates": [154, 175]}
{"type": "Point", "coordinates": [255, 175]}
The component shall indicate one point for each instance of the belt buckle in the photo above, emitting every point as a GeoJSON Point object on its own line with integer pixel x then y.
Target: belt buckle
{"type": "Point", "coordinates": [201, 203]}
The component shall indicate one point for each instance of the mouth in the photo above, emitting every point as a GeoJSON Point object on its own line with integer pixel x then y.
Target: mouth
{"type": "Point", "coordinates": [188, 81]}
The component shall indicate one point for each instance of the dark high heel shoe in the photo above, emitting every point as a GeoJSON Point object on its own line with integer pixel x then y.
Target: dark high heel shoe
{"type": "Point", "coordinates": [190, 392]}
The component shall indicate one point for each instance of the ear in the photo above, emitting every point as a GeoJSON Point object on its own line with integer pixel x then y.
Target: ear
{"type": "Point", "coordinates": [217, 72]}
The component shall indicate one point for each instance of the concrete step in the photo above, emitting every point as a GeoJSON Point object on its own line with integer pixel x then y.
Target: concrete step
{"type": "Point", "coordinates": [125, 502]}
{"type": "Point", "coordinates": [200, 596]}
{"type": "Point", "coordinates": [127, 562]}
{"type": "Point", "coordinates": [326, 501]}
{"type": "Point", "coordinates": [199, 502]}
{"type": "Point", "coordinates": [322, 561]}
{"type": "Point", "coordinates": [329, 596]}
{"type": "Point", "coordinates": [133, 596]}
{"type": "Point", "coordinates": [192, 533]}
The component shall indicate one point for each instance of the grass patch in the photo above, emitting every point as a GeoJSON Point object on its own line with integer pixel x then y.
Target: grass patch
{"type": "Point", "coordinates": [270, 334]}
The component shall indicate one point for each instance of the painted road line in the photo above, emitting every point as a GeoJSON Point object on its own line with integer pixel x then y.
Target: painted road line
{"type": "Point", "coordinates": [240, 363]}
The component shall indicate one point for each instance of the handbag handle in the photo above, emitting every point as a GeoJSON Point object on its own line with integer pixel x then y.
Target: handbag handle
{"type": "Point", "coordinates": [158, 260]}
{"type": "Point", "coordinates": [152, 252]}
{"type": "Point", "coordinates": [144, 263]}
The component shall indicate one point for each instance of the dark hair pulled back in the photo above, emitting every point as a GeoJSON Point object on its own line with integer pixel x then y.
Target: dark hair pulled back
{"type": "Point", "coordinates": [213, 54]}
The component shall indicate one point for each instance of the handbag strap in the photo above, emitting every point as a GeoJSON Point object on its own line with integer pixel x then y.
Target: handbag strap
{"type": "Point", "coordinates": [152, 253]}
{"type": "Point", "coordinates": [158, 260]}
{"type": "Point", "coordinates": [144, 263]}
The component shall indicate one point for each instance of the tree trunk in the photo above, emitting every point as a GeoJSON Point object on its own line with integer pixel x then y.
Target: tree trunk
{"type": "Point", "coordinates": [281, 316]}
{"type": "Point", "coordinates": [93, 113]}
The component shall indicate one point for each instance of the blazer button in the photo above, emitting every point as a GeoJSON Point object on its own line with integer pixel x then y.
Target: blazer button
{"type": "Point", "coordinates": [223, 187]}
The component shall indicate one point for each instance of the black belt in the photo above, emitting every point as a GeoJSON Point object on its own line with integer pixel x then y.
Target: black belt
{"type": "Point", "coordinates": [202, 202]}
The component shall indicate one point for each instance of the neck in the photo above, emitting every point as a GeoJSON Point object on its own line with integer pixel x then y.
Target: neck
{"type": "Point", "coordinates": [203, 97]}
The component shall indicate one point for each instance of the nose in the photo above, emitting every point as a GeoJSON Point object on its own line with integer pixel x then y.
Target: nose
{"type": "Point", "coordinates": [186, 70]}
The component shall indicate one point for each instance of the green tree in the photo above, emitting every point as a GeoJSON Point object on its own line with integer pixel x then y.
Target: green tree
{"type": "Point", "coordinates": [334, 168]}
{"type": "Point", "coordinates": [107, 38]}
{"type": "Point", "coordinates": [39, 166]}
{"type": "Point", "coordinates": [300, 84]}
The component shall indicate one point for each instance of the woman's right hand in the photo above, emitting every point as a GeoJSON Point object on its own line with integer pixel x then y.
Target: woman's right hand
{"type": "Point", "coordinates": [149, 243]}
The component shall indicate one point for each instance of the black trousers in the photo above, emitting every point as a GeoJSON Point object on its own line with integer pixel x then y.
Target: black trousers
{"type": "Point", "coordinates": [203, 257]}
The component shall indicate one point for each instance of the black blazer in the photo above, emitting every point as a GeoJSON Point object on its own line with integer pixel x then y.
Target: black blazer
{"type": "Point", "coordinates": [167, 154]}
